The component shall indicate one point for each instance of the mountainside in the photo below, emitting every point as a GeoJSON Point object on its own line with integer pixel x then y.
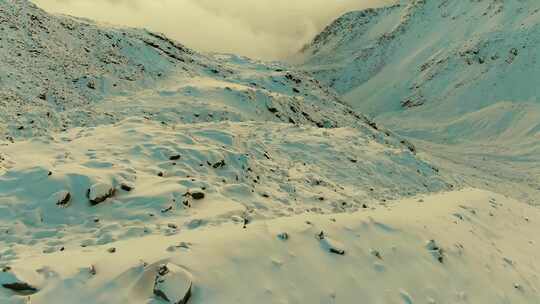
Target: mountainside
{"type": "Point", "coordinates": [458, 77]}
{"type": "Point", "coordinates": [136, 170]}
{"type": "Point", "coordinates": [63, 72]}
{"type": "Point", "coordinates": [435, 62]}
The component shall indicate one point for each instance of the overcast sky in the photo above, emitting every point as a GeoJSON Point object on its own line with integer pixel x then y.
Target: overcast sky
{"type": "Point", "coordinates": [267, 29]}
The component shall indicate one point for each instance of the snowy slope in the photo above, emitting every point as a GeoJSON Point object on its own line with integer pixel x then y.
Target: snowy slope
{"type": "Point", "coordinates": [468, 246]}
{"type": "Point", "coordinates": [134, 170]}
{"type": "Point", "coordinates": [445, 63]}
{"type": "Point", "coordinates": [65, 72]}
{"type": "Point", "coordinates": [463, 73]}
{"type": "Point", "coordinates": [250, 170]}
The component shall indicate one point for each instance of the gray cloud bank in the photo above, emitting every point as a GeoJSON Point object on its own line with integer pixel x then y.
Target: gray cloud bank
{"type": "Point", "coordinates": [266, 29]}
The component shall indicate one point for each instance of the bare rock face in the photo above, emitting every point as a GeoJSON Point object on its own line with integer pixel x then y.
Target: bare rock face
{"type": "Point", "coordinates": [99, 193]}
{"type": "Point", "coordinates": [173, 284]}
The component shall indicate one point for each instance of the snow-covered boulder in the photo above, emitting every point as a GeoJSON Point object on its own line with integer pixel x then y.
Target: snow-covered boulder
{"type": "Point", "coordinates": [100, 192]}
{"type": "Point", "coordinates": [173, 284]}
{"type": "Point", "coordinates": [61, 198]}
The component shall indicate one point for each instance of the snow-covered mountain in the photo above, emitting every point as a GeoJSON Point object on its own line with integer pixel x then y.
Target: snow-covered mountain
{"type": "Point", "coordinates": [136, 170]}
{"type": "Point", "coordinates": [464, 69]}
{"type": "Point", "coordinates": [463, 73]}
{"type": "Point", "coordinates": [64, 72]}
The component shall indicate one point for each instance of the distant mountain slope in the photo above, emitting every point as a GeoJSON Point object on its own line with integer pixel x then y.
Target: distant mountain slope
{"type": "Point", "coordinates": [420, 65]}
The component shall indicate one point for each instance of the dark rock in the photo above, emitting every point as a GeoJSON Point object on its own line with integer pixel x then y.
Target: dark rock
{"type": "Point", "coordinates": [21, 288]}
{"type": "Point", "coordinates": [219, 164]}
{"type": "Point", "coordinates": [165, 210]}
{"type": "Point", "coordinates": [436, 250]}
{"type": "Point", "coordinates": [337, 251]}
{"type": "Point", "coordinates": [283, 236]}
{"type": "Point", "coordinates": [63, 199]}
{"type": "Point", "coordinates": [197, 195]}
{"type": "Point", "coordinates": [126, 187]}
{"type": "Point", "coordinates": [92, 270]}
{"type": "Point", "coordinates": [272, 109]}
{"type": "Point", "coordinates": [175, 157]}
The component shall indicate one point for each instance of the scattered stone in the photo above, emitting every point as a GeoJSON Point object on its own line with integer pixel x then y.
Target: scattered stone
{"type": "Point", "coordinates": [435, 250]}
{"type": "Point", "coordinates": [376, 254]}
{"type": "Point", "coordinates": [172, 226]}
{"type": "Point", "coordinates": [514, 51]}
{"type": "Point", "coordinates": [92, 270]}
{"type": "Point", "coordinates": [283, 236]}
{"type": "Point", "coordinates": [91, 85]}
{"type": "Point", "coordinates": [272, 109]}
{"type": "Point", "coordinates": [173, 284]}
{"type": "Point", "coordinates": [175, 157]}
{"type": "Point", "coordinates": [126, 187]}
{"type": "Point", "coordinates": [111, 250]}
{"type": "Point", "coordinates": [6, 269]}
{"type": "Point", "coordinates": [197, 195]}
{"type": "Point", "coordinates": [219, 164]}
{"type": "Point", "coordinates": [167, 209]}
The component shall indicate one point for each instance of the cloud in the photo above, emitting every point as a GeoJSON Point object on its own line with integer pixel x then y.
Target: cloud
{"type": "Point", "coordinates": [266, 29]}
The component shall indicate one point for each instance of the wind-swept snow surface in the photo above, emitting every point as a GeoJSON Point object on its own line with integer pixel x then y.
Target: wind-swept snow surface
{"type": "Point", "coordinates": [135, 170]}
{"type": "Point", "coordinates": [468, 246]}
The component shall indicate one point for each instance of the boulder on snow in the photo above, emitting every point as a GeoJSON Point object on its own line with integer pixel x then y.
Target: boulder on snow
{"type": "Point", "coordinates": [127, 187]}
{"type": "Point", "coordinates": [175, 157]}
{"type": "Point", "coordinates": [435, 250]}
{"type": "Point", "coordinates": [197, 195]}
{"type": "Point", "coordinates": [8, 280]}
{"type": "Point", "coordinates": [330, 245]}
{"type": "Point", "coordinates": [99, 193]}
{"type": "Point", "coordinates": [173, 284]}
{"type": "Point", "coordinates": [62, 198]}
